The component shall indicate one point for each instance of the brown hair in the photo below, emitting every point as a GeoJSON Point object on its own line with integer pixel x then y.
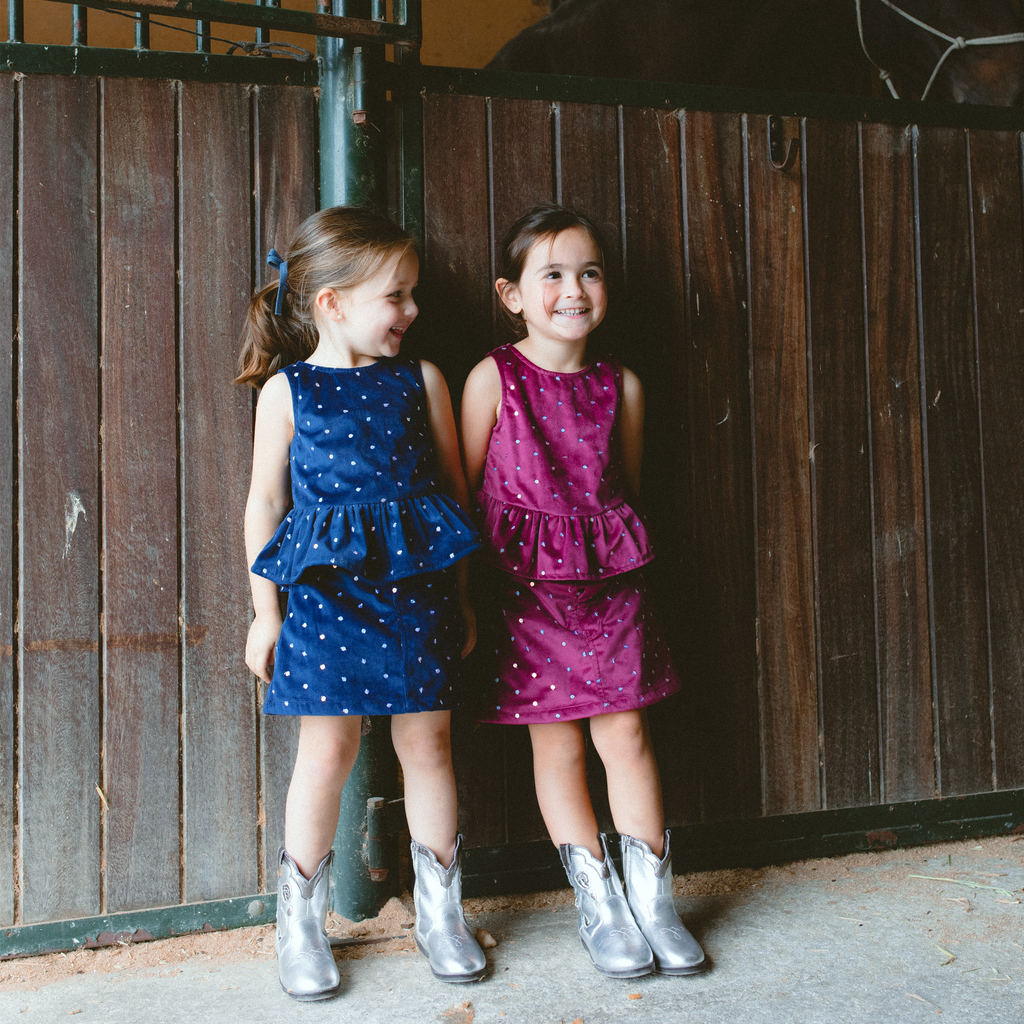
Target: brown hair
{"type": "Point", "coordinates": [340, 247]}
{"type": "Point", "coordinates": [545, 220]}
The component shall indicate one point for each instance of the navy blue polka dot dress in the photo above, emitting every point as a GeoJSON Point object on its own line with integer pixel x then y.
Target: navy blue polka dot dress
{"type": "Point", "coordinates": [373, 623]}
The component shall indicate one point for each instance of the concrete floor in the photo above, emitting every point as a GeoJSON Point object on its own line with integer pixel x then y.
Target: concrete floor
{"type": "Point", "coordinates": [843, 940]}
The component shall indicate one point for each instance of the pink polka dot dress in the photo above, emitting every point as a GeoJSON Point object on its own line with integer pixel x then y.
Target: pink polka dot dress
{"type": "Point", "coordinates": [578, 636]}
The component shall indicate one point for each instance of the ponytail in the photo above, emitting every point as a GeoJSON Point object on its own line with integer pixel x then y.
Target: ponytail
{"type": "Point", "coordinates": [340, 247]}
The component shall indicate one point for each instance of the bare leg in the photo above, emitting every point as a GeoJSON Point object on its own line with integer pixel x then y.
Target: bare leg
{"type": "Point", "coordinates": [634, 785]}
{"type": "Point", "coordinates": [560, 774]}
{"type": "Point", "coordinates": [328, 746]}
{"type": "Point", "coordinates": [424, 747]}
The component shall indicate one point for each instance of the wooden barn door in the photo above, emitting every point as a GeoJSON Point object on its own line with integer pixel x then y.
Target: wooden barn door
{"type": "Point", "coordinates": [136, 770]}
{"type": "Point", "coordinates": [829, 355]}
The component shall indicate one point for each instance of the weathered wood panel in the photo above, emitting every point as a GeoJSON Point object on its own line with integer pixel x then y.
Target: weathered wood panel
{"type": "Point", "coordinates": [219, 742]}
{"type": "Point", "coordinates": [653, 346]}
{"type": "Point", "coordinates": [8, 101]}
{"type": "Point", "coordinates": [783, 524]}
{"type": "Point", "coordinates": [140, 490]}
{"type": "Point", "coordinates": [587, 158]}
{"type": "Point", "coordinates": [901, 576]}
{"type": "Point", "coordinates": [456, 311]}
{"type": "Point", "coordinates": [999, 273]}
{"type": "Point", "coordinates": [840, 466]}
{"type": "Point", "coordinates": [953, 452]}
{"type": "Point", "coordinates": [285, 196]}
{"type": "Point", "coordinates": [718, 659]}
{"type": "Point", "coordinates": [59, 506]}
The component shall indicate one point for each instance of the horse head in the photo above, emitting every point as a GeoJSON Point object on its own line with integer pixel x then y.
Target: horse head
{"type": "Point", "coordinates": [954, 50]}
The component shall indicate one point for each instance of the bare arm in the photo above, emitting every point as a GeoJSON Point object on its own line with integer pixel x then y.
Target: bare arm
{"type": "Point", "coordinates": [631, 421]}
{"type": "Point", "coordinates": [453, 481]}
{"type": "Point", "coordinates": [481, 401]}
{"type": "Point", "coordinates": [267, 505]}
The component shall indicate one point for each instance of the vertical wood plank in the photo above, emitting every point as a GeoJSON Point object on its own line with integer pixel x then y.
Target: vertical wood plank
{"type": "Point", "coordinates": [999, 273]}
{"type": "Point", "coordinates": [783, 559]}
{"type": "Point", "coordinates": [454, 328]}
{"type": "Point", "coordinates": [522, 172]}
{"type": "Point", "coordinates": [907, 722]}
{"type": "Point", "coordinates": [655, 350]}
{"type": "Point", "coordinates": [841, 466]}
{"type": "Point", "coordinates": [8, 100]}
{"type": "Point", "coordinates": [455, 300]}
{"type": "Point", "coordinates": [220, 757]}
{"type": "Point", "coordinates": [720, 655]}
{"type": "Point", "coordinates": [954, 452]}
{"type": "Point", "coordinates": [588, 170]}
{"type": "Point", "coordinates": [59, 502]}
{"type": "Point", "coordinates": [285, 196]}
{"type": "Point", "coordinates": [140, 526]}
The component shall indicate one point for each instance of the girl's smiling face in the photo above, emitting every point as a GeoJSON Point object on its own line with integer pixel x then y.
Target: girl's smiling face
{"type": "Point", "coordinates": [561, 291]}
{"type": "Point", "coordinates": [360, 325]}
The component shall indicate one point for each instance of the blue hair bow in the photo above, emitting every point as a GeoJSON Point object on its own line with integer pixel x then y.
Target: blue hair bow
{"type": "Point", "coordinates": [274, 260]}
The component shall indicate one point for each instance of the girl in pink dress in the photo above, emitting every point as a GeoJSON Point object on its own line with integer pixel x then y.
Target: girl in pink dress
{"type": "Point", "coordinates": [553, 440]}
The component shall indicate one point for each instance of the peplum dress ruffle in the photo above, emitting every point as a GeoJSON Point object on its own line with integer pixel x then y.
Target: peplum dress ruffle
{"type": "Point", "coordinates": [373, 624]}
{"type": "Point", "coordinates": [578, 635]}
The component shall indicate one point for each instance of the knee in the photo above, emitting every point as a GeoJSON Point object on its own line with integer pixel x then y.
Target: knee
{"type": "Point", "coordinates": [621, 738]}
{"type": "Point", "coordinates": [327, 753]}
{"type": "Point", "coordinates": [423, 749]}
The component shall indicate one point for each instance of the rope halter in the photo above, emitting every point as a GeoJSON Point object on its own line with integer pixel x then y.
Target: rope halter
{"type": "Point", "coordinates": [955, 43]}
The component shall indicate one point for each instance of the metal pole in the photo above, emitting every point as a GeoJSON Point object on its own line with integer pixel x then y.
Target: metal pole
{"type": "Point", "coordinates": [353, 172]}
{"type": "Point", "coordinates": [353, 143]}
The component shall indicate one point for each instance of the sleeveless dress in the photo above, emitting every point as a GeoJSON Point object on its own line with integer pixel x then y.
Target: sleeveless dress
{"type": "Point", "coordinates": [578, 635]}
{"type": "Point", "coordinates": [373, 624]}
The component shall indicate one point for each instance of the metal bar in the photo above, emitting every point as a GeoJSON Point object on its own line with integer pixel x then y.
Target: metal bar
{"type": "Point", "coordinates": [675, 96]}
{"type": "Point", "coordinates": [230, 12]}
{"type": "Point", "coordinates": [79, 25]}
{"type": "Point", "coordinates": [532, 867]}
{"type": "Point", "coordinates": [202, 37]}
{"type": "Point", "coordinates": [410, 14]}
{"type": "Point", "coordinates": [262, 33]}
{"type": "Point", "coordinates": [15, 20]}
{"type": "Point", "coordinates": [32, 58]}
{"type": "Point", "coordinates": [141, 31]}
{"type": "Point", "coordinates": [138, 925]}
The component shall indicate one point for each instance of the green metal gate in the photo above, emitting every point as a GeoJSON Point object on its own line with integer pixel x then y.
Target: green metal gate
{"type": "Point", "coordinates": [829, 352]}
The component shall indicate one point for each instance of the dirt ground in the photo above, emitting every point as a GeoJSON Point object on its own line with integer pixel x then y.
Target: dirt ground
{"type": "Point", "coordinates": [389, 934]}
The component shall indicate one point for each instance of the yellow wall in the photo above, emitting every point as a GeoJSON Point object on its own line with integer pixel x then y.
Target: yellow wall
{"type": "Point", "coordinates": [457, 33]}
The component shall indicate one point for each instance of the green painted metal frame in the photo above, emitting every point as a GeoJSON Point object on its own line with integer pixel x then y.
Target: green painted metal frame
{"type": "Point", "coordinates": [104, 62]}
{"type": "Point", "coordinates": [675, 96]}
{"type": "Point", "coordinates": [532, 867]}
{"type": "Point", "coordinates": [229, 12]}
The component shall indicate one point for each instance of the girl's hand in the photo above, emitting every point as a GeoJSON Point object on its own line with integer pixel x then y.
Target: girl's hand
{"type": "Point", "coordinates": [469, 627]}
{"type": "Point", "coordinates": [259, 647]}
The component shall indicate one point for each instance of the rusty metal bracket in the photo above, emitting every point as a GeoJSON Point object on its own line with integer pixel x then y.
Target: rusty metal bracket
{"type": "Point", "coordinates": [782, 158]}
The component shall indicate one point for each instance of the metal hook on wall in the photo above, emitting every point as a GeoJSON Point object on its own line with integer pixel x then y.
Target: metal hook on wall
{"type": "Point", "coordinates": [782, 158]}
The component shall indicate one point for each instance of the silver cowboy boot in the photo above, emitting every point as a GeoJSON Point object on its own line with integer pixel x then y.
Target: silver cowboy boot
{"type": "Point", "coordinates": [649, 890]}
{"type": "Point", "coordinates": [304, 960]}
{"type": "Point", "coordinates": [442, 934]}
{"type": "Point", "coordinates": [607, 929]}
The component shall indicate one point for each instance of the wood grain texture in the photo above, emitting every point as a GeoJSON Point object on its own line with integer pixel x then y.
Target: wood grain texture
{"type": "Point", "coordinates": [783, 559]}
{"type": "Point", "coordinates": [901, 572]}
{"type": "Point", "coordinates": [587, 139]}
{"type": "Point", "coordinates": [654, 348]}
{"type": "Point", "coordinates": [454, 328]}
{"type": "Point", "coordinates": [455, 321]}
{"type": "Point", "coordinates": [999, 275]}
{"type": "Point", "coordinates": [950, 388]}
{"type": "Point", "coordinates": [522, 172]}
{"type": "Point", "coordinates": [59, 741]}
{"type": "Point", "coordinates": [8, 101]}
{"type": "Point", "coordinates": [220, 755]}
{"type": "Point", "coordinates": [140, 475]}
{"type": "Point", "coordinates": [841, 466]}
{"type": "Point", "coordinates": [719, 657]}
{"type": "Point", "coordinates": [285, 196]}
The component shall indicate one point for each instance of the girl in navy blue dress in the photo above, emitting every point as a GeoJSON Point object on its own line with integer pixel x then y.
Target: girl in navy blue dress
{"type": "Point", "coordinates": [354, 510]}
